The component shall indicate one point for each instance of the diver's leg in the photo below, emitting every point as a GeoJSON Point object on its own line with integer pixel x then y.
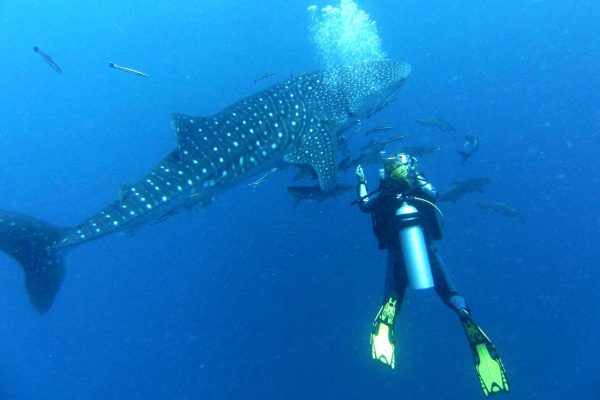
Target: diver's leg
{"type": "Point", "coordinates": [396, 280]}
{"type": "Point", "coordinates": [444, 286]}
{"type": "Point", "coordinates": [382, 336]}
{"type": "Point", "coordinates": [488, 364]}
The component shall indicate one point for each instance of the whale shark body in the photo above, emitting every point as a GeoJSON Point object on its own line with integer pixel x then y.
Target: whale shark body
{"type": "Point", "coordinates": [297, 121]}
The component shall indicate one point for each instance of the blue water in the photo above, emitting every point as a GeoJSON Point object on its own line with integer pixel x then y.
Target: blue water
{"type": "Point", "coordinates": [252, 298]}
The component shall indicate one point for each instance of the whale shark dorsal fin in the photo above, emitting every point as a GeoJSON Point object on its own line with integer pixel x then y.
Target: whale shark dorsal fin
{"type": "Point", "coordinates": [192, 132]}
{"type": "Point", "coordinates": [124, 193]}
{"type": "Point", "coordinates": [317, 149]}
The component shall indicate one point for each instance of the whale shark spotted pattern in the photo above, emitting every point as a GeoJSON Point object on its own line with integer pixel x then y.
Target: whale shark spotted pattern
{"type": "Point", "coordinates": [297, 121]}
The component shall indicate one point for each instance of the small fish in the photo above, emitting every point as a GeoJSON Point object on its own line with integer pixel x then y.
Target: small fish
{"type": "Point", "coordinates": [419, 151]}
{"type": "Point", "coordinates": [347, 163]}
{"type": "Point", "coordinates": [383, 104]}
{"type": "Point", "coordinates": [369, 154]}
{"type": "Point", "coordinates": [376, 146]}
{"type": "Point", "coordinates": [164, 217]}
{"type": "Point", "coordinates": [461, 188]}
{"type": "Point", "coordinates": [436, 122]}
{"type": "Point", "coordinates": [503, 209]}
{"type": "Point", "coordinates": [342, 142]}
{"type": "Point", "coordinates": [315, 192]}
{"type": "Point", "coordinates": [125, 69]}
{"type": "Point", "coordinates": [357, 129]}
{"type": "Point", "coordinates": [48, 59]}
{"type": "Point", "coordinates": [344, 138]}
{"type": "Point", "coordinates": [378, 129]}
{"type": "Point", "coordinates": [470, 147]}
{"type": "Point", "coordinates": [260, 180]}
{"type": "Point", "coordinates": [265, 76]}
{"type": "Point", "coordinates": [304, 172]}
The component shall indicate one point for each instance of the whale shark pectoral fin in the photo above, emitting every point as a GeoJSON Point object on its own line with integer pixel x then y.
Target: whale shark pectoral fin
{"type": "Point", "coordinates": [317, 149]}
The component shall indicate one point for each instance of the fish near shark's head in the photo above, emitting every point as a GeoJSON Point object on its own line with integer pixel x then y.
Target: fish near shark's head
{"type": "Point", "coordinates": [369, 86]}
{"type": "Point", "coordinates": [336, 99]}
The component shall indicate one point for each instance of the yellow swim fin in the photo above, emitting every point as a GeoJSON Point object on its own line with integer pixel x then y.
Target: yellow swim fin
{"type": "Point", "coordinates": [382, 337]}
{"type": "Point", "coordinates": [488, 364]}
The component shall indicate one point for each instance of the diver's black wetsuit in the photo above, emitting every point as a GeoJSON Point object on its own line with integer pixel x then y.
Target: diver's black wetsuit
{"type": "Point", "coordinates": [383, 209]}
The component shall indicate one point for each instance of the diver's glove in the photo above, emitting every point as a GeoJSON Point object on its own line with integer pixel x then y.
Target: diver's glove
{"type": "Point", "coordinates": [360, 174]}
{"type": "Point", "coordinates": [382, 337]}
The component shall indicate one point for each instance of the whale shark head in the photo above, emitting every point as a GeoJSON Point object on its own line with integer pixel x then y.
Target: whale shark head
{"type": "Point", "coordinates": [336, 99]}
{"type": "Point", "coordinates": [369, 86]}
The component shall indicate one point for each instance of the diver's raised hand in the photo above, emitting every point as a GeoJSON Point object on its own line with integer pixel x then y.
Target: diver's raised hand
{"type": "Point", "coordinates": [360, 173]}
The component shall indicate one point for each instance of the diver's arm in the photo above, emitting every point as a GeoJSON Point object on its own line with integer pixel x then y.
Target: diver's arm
{"type": "Point", "coordinates": [363, 199]}
{"type": "Point", "coordinates": [426, 187]}
{"type": "Point", "coordinates": [362, 190]}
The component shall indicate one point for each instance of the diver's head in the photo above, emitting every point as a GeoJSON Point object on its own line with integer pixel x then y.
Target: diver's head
{"type": "Point", "coordinates": [399, 171]}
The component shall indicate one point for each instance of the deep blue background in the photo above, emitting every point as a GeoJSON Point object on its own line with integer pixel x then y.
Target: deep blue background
{"type": "Point", "coordinates": [252, 298]}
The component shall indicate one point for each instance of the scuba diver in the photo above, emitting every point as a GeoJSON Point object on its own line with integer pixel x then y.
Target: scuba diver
{"type": "Point", "coordinates": [405, 224]}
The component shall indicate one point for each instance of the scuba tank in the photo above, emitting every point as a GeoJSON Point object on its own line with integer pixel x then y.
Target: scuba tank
{"type": "Point", "coordinates": [414, 249]}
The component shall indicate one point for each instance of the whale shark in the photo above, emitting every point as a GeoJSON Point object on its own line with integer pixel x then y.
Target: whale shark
{"type": "Point", "coordinates": [297, 121]}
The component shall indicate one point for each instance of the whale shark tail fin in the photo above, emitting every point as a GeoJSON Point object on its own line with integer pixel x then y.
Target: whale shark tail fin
{"type": "Point", "coordinates": [33, 244]}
